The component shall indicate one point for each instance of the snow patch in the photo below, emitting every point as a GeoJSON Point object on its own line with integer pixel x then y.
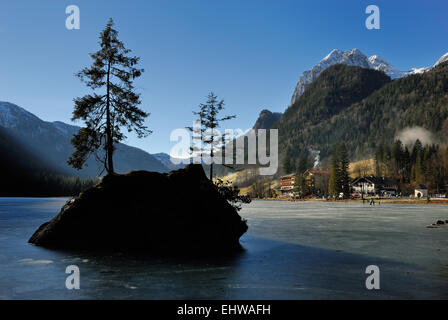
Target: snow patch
{"type": "Point", "coordinates": [35, 262]}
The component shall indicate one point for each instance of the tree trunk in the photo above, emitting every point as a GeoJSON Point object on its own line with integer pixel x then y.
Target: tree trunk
{"type": "Point", "coordinates": [109, 141]}
{"type": "Point", "coordinates": [211, 167]}
{"type": "Point", "coordinates": [211, 158]}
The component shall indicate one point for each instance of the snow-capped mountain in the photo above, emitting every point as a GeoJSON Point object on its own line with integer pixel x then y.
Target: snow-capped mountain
{"type": "Point", "coordinates": [442, 59]}
{"type": "Point", "coordinates": [380, 64]}
{"type": "Point", "coordinates": [354, 57]}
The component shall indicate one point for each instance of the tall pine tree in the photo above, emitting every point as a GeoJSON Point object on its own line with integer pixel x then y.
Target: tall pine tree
{"type": "Point", "coordinates": [339, 178]}
{"type": "Point", "coordinates": [343, 177]}
{"type": "Point", "coordinates": [112, 105]}
{"type": "Point", "coordinates": [334, 186]}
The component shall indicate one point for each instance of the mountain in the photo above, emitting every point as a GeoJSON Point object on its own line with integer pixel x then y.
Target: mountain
{"type": "Point", "coordinates": [266, 119]}
{"type": "Point", "coordinates": [50, 143]}
{"type": "Point", "coordinates": [14, 155]}
{"type": "Point", "coordinates": [353, 57]}
{"type": "Point", "coordinates": [165, 159]}
{"type": "Point", "coordinates": [25, 174]}
{"type": "Point", "coordinates": [442, 59]}
{"type": "Point", "coordinates": [336, 88]}
{"type": "Point", "coordinates": [363, 108]}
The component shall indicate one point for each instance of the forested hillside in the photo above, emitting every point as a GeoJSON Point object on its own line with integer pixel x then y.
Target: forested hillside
{"type": "Point", "coordinates": [363, 108]}
{"type": "Point", "coordinates": [24, 173]}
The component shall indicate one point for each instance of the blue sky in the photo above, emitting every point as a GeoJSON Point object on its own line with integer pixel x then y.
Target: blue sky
{"type": "Point", "coordinates": [249, 52]}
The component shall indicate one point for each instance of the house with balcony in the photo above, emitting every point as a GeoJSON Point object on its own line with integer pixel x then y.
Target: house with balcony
{"type": "Point", "coordinates": [373, 186]}
{"type": "Point", "coordinates": [287, 185]}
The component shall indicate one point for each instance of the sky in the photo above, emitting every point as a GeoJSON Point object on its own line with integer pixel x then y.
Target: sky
{"type": "Point", "coordinates": [251, 53]}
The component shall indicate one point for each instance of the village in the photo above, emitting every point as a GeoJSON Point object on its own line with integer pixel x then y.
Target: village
{"type": "Point", "coordinates": [364, 187]}
{"type": "Point", "coordinates": [314, 184]}
{"type": "Point", "coordinates": [394, 174]}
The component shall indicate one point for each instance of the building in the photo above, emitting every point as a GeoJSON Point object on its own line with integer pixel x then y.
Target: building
{"type": "Point", "coordinates": [373, 186]}
{"type": "Point", "coordinates": [287, 184]}
{"type": "Point", "coordinates": [317, 180]}
{"type": "Point", "coordinates": [421, 191]}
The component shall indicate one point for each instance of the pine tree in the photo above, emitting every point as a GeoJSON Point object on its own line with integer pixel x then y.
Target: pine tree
{"type": "Point", "coordinates": [339, 178]}
{"type": "Point", "coordinates": [334, 186]}
{"type": "Point", "coordinates": [303, 163]}
{"type": "Point", "coordinates": [210, 122]}
{"type": "Point", "coordinates": [288, 162]}
{"type": "Point", "coordinates": [115, 106]}
{"type": "Point", "coordinates": [343, 177]}
{"type": "Point", "coordinates": [379, 159]}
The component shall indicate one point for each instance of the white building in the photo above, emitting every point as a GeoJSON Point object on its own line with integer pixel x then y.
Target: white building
{"type": "Point", "coordinates": [372, 185]}
{"type": "Point", "coordinates": [421, 191]}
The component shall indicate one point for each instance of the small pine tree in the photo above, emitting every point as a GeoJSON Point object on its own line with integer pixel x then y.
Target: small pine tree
{"type": "Point", "coordinates": [209, 123]}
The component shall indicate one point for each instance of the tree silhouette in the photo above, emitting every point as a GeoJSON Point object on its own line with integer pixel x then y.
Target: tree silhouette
{"type": "Point", "coordinates": [113, 105]}
{"type": "Point", "coordinates": [208, 115]}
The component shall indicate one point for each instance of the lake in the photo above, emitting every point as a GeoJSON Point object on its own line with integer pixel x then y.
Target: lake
{"type": "Point", "coordinates": [293, 250]}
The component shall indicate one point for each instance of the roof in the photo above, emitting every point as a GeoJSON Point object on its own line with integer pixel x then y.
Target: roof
{"type": "Point", "coordinates": [421, 186]}
{"type": "Point", "coordinates": [376, 180]}
{"type": "Point", "coordinates": [288, 175]}
{"type": "Point", "coordinates": [317, 171]}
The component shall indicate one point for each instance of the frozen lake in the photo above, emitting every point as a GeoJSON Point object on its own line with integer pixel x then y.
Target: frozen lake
{"type": "Point", "coordinates": [301, 250]}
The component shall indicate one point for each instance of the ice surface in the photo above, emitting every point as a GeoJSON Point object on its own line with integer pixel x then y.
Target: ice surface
{"type": "Point", "coordinates": [293, 250]}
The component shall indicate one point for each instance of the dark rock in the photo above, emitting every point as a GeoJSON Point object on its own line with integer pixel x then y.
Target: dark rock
{"type": "Point", "coordinates": [141, 210]}
{"type": "Point", "coordinates": [266, 119]}
{"type": "Point", "coordinates": [440, 222]}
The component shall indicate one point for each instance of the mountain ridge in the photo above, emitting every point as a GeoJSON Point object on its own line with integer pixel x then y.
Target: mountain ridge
{"type": "Point", "coordinates": [354, 57]}
{"type": "Point", "coordinates": [50, 141]}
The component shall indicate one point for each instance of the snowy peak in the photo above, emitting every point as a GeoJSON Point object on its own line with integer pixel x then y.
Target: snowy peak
{"type": "Point", "coordinates": [380, 64]}
{"type": "Point", "coordinates": [333, 53]}
{"type": "Point", "coordinates": [354, 57]}
{"type": "Point", "coordinates": [442, 59]}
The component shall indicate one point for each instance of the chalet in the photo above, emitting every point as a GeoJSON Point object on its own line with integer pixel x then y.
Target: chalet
{"type": "Point", "coordinates": [287, 184]}
{"type": "Point", "coordinates": [421, 191]}
{"type": "Point", "coordinates": [373, 186]}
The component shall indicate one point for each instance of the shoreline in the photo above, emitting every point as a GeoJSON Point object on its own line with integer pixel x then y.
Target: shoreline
{"type": "Point", "coordinates": [442, 201]}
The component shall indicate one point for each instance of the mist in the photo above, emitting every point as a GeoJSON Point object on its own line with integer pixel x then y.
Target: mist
{"type": "Point", "coordinates": [410, 134]}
